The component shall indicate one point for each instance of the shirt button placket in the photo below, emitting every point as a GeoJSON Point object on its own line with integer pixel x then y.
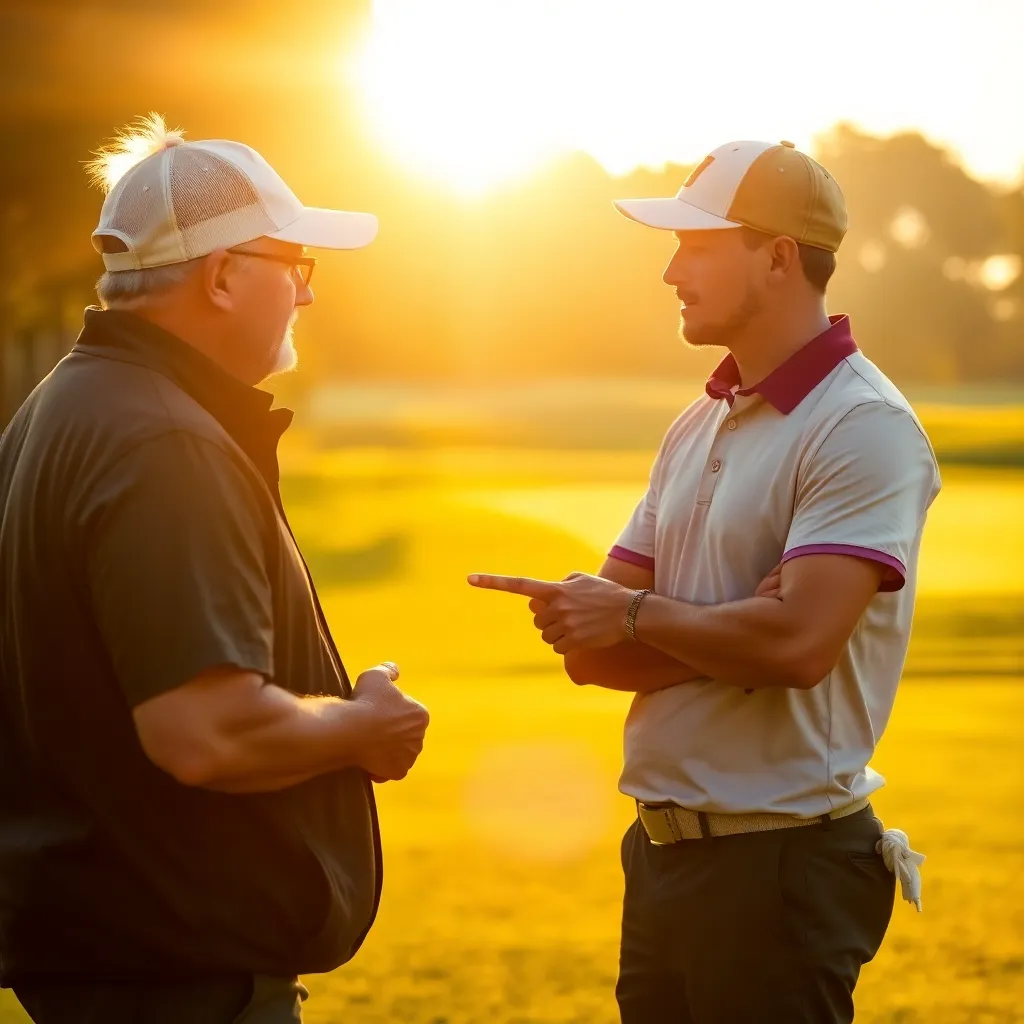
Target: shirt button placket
{"type": "Point", "coordinates": [708, 480]}
{"type": "Point", "coordinates": [713, 468]}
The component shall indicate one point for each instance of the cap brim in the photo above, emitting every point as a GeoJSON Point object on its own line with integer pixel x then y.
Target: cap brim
{"type": "Point", "coordinates": [329, 229]}
{"type": "Point", "coordinates": [671, 215]}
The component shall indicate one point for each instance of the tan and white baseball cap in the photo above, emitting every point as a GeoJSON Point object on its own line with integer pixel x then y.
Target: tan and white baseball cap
{"type": "Point", "coordinates": [771, 187]}
{"type": "Point", "coordinates": [186, 199]}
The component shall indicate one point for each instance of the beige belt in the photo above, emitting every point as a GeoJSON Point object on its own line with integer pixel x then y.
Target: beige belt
{"type": "Point", "coordinates": [666, 824]}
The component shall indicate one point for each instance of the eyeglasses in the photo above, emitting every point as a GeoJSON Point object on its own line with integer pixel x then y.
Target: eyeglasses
{"type": "Point", "coordinates": [303, 264]}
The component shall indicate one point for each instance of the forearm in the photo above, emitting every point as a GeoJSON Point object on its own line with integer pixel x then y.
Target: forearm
{"type": "Point", "coordinates": [278, 741]}
{"type": "Point", "coordinates": [629, 666]}
{"type": "Point", "coordinates": [752, 643]}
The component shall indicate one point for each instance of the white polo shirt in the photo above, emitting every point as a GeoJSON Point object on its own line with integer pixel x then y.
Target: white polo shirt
{"type": "Point", "coordinates": [824, 455]}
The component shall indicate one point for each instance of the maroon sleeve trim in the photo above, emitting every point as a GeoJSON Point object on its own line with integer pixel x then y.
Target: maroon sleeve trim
{"type": "Point", "coordinates": [893, 580]}
{"type": "Point", "coordinates": [633, 557]}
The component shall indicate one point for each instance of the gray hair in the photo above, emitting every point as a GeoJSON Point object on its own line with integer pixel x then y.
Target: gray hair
{"type": "Point", "coordinates": [126, 288]}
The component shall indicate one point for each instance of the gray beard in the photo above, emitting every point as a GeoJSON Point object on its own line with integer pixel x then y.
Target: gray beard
{"type": "Point", "coordinates": [287, 358]}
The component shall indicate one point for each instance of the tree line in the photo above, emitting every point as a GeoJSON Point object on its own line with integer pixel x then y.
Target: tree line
{"type": "Point", "coordinates": [540, 278]}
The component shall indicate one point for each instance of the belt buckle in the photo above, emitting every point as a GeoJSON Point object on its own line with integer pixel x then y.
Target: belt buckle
{"type": "Point", "coordinates": [668, 814]}
{"type": "Point", "coordinates": [665, 813]}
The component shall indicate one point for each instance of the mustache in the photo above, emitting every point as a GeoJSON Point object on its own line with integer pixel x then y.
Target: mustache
{"type": "Point", "coordinates": [687, 298]}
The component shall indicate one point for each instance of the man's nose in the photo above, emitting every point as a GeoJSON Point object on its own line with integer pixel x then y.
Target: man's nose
{"type": "Point", "coordinates": [303, 295]}
{"type": "Point", "coordinates": [673, 275]}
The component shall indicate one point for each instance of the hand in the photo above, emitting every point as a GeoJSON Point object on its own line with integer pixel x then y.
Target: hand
{"type": "Point", "coordinates": [394, 727]}
{"type": "Point", "coordinates": [581, 611]}
{"type": "Point", "coordinates": [771, 585]}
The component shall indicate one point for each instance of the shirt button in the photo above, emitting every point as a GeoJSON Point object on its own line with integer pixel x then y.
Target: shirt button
{"type": "Point", "coordinates": [731, 424]}
{"type": "Point", "coordinates": [716, 465]}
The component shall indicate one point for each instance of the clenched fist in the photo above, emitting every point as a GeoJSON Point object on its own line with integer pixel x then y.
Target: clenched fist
{"type": "Point", "coordinates": [393, 727]}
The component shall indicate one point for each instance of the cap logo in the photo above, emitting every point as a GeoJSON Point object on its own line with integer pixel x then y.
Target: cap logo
{"type": "Point", "coordinates": [699, 170]}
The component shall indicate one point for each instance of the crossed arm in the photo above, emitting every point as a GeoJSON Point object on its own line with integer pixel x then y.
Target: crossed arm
{"type": "Point", "coordinates": [793, 640]}
{"type": "Point", "coordinates": [627, 665]}
{"type": "Point", "coordinates": [790, 633]}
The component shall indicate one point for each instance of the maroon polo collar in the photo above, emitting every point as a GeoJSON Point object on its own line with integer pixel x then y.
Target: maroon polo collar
{"type": "Point", "coordinates": [789, 384]}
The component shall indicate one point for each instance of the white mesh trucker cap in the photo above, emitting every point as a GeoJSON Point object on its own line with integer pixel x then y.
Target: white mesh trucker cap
{"type": "Point", "coordinates": [189, 198]}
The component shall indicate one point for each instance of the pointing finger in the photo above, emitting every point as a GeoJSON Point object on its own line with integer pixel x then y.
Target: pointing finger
{"type": "Point", "coordinates": [541, 589]}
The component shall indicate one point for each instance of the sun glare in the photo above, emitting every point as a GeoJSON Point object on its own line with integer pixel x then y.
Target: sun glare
{"type": "Point", "coordinates": [452, 87]}
{"type": "Point", "coordinates": [474, 93]}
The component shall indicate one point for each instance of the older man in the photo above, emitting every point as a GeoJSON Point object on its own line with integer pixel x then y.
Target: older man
{"type": "Point", "coordinates": [755, 880]}
{"type": "Point", "coordinates": [186, 820]}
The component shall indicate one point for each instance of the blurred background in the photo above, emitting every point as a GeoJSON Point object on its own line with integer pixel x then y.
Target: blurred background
{"type": "Point", "coordinates": [484, 388]}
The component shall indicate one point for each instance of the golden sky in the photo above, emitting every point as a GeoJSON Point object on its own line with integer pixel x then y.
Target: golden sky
{"type": "Point", "coordinates": [475, 92]}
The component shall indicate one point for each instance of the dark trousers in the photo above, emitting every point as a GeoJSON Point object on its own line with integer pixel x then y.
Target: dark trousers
{"type": "Point", "coordinates": [758, 928]}
{"type": "Point", "coordinates": [253, 999]}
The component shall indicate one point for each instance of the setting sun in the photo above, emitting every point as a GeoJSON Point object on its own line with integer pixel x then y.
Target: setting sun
{"type": "Point", "coordinates": [453, 89]}
{"type": "Point", "coordinates": [473, 93]}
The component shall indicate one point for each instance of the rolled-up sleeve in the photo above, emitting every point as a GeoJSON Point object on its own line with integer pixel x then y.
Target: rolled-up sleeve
{"type": "Point", "coordinates": [176, 566]}
{"type": "Point", "coordinates": [866, 490]}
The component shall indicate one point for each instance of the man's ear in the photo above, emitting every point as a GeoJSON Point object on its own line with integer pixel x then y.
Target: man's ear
{"type": "Point", "coordinates": [785, 258]}
{"type": "Point", "coordinates": [220, 269]}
